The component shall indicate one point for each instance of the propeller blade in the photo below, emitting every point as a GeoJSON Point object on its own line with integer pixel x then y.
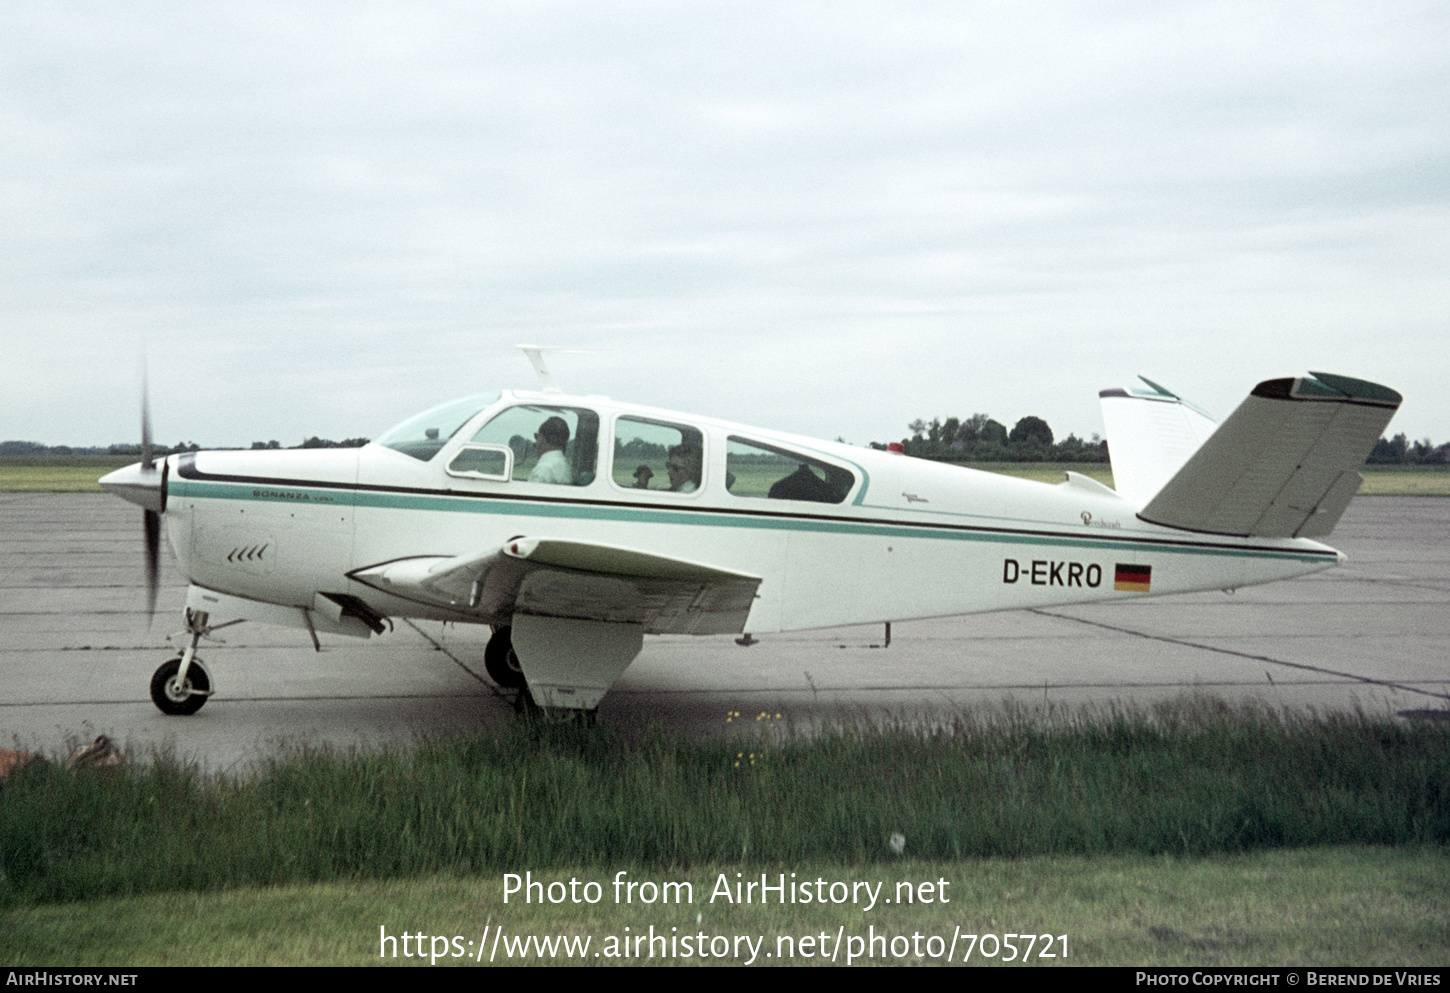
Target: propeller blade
{"type": "Point", "coordinates": [146, 461]}
{"type": "Point", "coordinates": [151, 518]}
{"type": "Point", "coordinates": [152, 522]}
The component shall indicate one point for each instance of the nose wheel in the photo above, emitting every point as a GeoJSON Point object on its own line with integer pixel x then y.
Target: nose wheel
{"type": "Point", "coordinates": [181, 686]}
{"type": "Point", "coordinates": [180, 696]}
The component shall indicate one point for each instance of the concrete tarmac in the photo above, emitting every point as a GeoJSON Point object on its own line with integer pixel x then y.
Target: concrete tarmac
{"type": "Point", "coordinates": [77, 654]}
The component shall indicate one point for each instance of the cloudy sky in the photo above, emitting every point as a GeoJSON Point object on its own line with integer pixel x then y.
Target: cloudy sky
{"type": "Point", "coordinates": [831, 217]}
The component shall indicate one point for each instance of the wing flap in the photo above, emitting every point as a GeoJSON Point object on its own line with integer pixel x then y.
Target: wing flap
{"type": "Point", "coordinates": [1284, 464]}
{"type": "Point", "coordinates": [574, 579]}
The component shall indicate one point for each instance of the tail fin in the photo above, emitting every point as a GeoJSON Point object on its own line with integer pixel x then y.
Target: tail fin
{"type": "Point", "coordinates": [1284, 464]}
{"type": "Point", "coordinates": [1151, 433]}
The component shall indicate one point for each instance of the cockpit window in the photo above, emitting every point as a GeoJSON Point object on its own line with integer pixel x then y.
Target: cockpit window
{"type": "Point", "coordinates": [558, 445]}
{"type": "Point", "coordinates": [424, 435]}
{"type": "Point", "coordinates": [754, 469]}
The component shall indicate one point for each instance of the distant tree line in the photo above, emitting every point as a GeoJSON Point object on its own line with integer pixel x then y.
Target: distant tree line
{"type": "Point", "coordinates": [981, 439]}
{"type": "Point", "coordinates": [313, 442]}
{"type": "Point", "coordinates": [36, 448]}
{"type": "Point", "coordinates": [1399, 450]}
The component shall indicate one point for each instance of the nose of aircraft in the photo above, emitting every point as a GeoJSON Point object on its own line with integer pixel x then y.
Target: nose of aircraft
{"type": "Point", "coordinates": [141, 484]}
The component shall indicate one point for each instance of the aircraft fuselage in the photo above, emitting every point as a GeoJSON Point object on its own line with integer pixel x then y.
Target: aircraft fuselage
{"type": "Point", "coordinates": [898, 538]}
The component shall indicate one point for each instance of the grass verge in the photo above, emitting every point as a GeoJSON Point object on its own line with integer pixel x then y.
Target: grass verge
{"type": "Point", "coordinates": [57, 473]}
{"type": "Point", "coordinates": [1344, 906]}
{"type": "Point", "coordinates": [1426, 480]}
{"type": "Point", "coordinates": [1191, 779]}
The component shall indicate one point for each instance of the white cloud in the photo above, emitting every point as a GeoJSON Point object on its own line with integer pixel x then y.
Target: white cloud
{"type": "Point", "coordinates": [827, 217]}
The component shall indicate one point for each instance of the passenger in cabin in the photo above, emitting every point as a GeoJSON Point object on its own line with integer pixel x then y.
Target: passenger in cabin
{"type": "Point", "coordinates": [804, 485]}
{"type": "Point", "coordinates": [642, 476]}
{"type": "Point", "coordinates": [684, 464]}
{"type": "Point", "coordinates": [550, 441]}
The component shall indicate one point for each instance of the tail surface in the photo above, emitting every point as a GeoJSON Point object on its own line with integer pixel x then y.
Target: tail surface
{"type": "Point", "coordinates": [1151, 433]}
{"type": "Point", "coordinates": [1284, 464]}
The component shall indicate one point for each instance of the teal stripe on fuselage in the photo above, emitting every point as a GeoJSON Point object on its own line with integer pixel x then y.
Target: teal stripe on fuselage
{"type": "Point", "coordinates": [446, 503]}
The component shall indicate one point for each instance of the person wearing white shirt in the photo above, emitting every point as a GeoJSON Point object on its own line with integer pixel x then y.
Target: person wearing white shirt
{"type": "Point", "coordinates": [550, 441]}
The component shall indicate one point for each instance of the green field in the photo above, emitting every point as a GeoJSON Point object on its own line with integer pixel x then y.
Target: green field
{"type": "Point", "coordinates": [1191, 833]}
{"type": "Point", "coordinates": [1351, 906]}
{"type": "Point", "coordinates": [1429, 480]}
{"type": "Point", "coordinates": [57, 473]}
{"type": "Point", "coordinates": [78, 474]}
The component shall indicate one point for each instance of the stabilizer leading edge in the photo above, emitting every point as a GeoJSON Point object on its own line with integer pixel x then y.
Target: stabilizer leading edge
{"type": "Point", "coordinates": [1283, 465]}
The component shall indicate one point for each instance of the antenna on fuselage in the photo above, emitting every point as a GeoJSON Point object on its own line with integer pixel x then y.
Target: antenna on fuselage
{"type": "Point", "coordinates": [541, 369]}
{"type": "Point", "coordinates": [536, 357]}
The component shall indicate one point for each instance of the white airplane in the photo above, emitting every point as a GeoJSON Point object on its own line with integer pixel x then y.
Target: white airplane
{"type": "Point", "coordinates": [576, 525]}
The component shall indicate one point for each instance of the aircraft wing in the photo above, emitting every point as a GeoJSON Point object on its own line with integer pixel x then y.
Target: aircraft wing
{"type": "Point", "coordinates": [583, 580]}
{"type": "Point", "coordinates": [1284, 464]}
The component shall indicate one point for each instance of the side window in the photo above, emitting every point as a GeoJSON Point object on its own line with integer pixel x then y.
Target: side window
{"type": "Point", "coordinates": [658, 455]}
{"type": "Point", "coordinates": [482, 462]}
{"type": "Point", "coordinates": [756, 470]}
{"type": "Point", "coordinates": [558, 445]}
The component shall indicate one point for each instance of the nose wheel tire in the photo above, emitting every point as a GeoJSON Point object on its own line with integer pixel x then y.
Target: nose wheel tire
{"type": "Point", "coordinates": [184, 698]}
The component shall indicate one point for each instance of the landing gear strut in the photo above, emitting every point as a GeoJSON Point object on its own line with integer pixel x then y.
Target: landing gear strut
{"type": "Point", "coordinates": [182, 685]}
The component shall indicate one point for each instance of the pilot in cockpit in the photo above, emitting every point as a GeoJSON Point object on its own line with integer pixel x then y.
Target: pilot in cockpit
{"type": "Point", "coordinates": [550, 441]}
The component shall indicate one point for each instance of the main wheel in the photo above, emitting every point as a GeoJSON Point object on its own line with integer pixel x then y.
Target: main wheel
{"type": "Point", "coordinates": [180, 700]}
{"type": "Point", "coordinates": [501, 661]}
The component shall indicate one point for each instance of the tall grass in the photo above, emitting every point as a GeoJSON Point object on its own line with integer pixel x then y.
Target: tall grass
{"type": "Point", "coordinates": [1190, 779]}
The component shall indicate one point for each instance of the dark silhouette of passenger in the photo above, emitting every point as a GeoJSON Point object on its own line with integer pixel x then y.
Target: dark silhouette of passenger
{"type": "Point", "coordinates": [804, 485]}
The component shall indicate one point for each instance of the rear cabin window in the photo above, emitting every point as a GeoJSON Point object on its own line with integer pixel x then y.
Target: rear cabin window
{"type": "Point", "coordinates": [555, 445]}
{"type": "Point", "coordinates": [764, 472]}
{"type": "Point", "coordinates": [658, 456]}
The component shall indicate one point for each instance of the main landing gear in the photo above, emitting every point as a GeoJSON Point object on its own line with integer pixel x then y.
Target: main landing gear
{"type": "Point", "coordinates": [182, 685]}
{"type": "Point", "coordinates": [502, 664]}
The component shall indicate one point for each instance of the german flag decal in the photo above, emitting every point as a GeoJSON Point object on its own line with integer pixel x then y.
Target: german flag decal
{"type": "Point", "coordinates": [1133, 578]}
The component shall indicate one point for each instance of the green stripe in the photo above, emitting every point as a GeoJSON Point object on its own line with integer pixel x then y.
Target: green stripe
{"type": "Point", "coordinates": [694, 518]}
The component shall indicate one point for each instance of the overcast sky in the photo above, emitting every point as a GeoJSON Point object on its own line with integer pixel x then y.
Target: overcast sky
{"type": "Point", "coordinates": [830, 218]}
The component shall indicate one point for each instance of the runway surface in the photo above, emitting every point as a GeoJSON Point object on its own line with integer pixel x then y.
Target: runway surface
{"type": "Point", "coordinates": [77, 655]}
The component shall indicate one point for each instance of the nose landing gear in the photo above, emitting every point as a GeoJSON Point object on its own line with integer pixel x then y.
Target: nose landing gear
{"type": "Point", "coordinates": [181, 686]}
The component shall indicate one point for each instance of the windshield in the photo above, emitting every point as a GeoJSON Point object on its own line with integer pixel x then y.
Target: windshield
{"type": "Point", "coordinates": [423, 435]}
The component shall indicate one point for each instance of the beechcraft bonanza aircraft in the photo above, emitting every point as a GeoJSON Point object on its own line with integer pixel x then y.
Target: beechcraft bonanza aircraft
{"type": "Point", "coordinates": [577, 525]}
